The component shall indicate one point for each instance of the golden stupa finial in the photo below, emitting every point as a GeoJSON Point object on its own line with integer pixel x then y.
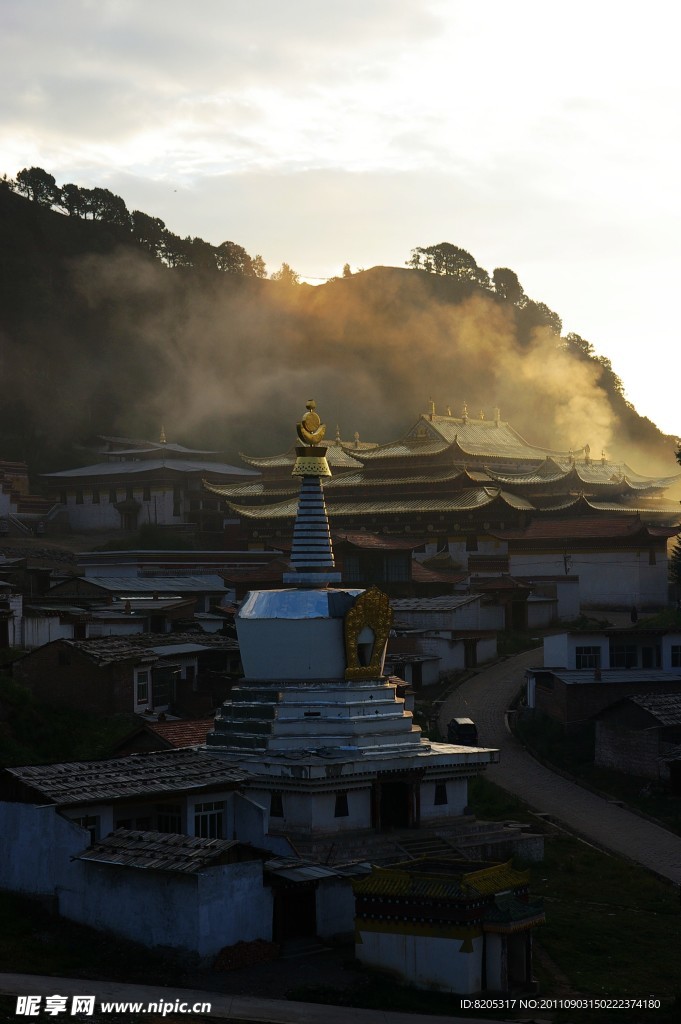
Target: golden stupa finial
{"type": "Point", "coordinates": [163, 439]}
{"type": "Point", "coordinates": [310, 429]}
{"type": "Point", "coordinates": [464, 412]}
{"type": "Point", "coordinates": [338, 434]}
{"type": "Point", "coordinates": [432, 409]}
{"type": "Point", "coordinates": [311, 458]}
{"type": "Point", "coordinates": [482, 414]}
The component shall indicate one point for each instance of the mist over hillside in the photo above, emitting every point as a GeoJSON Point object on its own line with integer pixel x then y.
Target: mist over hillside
{"type": "Point", "coordinates": [96, 336]}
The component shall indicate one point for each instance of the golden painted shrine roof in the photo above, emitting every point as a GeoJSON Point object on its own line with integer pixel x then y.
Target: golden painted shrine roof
{"type": "Point", "coordinates": [466, 500]}
{"type": "Point", "coordinates": [432, 435]}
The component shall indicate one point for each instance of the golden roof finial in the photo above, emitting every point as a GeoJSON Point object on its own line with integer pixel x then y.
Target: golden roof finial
{"type": "Point", "coordinates": [310, 429]}
{"type": "Point", "coordinates": [163, 439]}
{"type": "Point", "coordinates": [338, 437]}
{"type": "Point", "coordinates": [464, 412]}
{"type": "Point", "coordinates": [432, 409]}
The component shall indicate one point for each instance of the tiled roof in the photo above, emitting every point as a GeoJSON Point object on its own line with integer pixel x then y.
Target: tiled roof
{"type": "Point", "coordinates": [494, 438]}
{"type": "Point", "coordinates": [160, 851]}
{"type": "Point", "coordinates": [423, 574]}
{"type": "Point", "coordinates": [187, 733]}
{"type": "Point", "coordinates": [140, 467]}
{"type": "Point", "coordinates": [359, 539]}
{"type": "Point", "coordinates": [666, 707]}
{"type": "Point", "coordinates": [159, 773]}
{"type": "Point", "coordinates": [465, 501]}
{"type": "Point", "coordinates": [583, 527]}
{"type": "Point", "coordinates": [150, 584]}
{"type": "Point", "coordinates": [448, 879]}
{"type": "Point", "coordinates": [106, 649]}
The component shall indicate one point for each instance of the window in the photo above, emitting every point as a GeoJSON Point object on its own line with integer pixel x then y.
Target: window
{"type": "Point", "coordinates": [169, 818]}
{"type": "Point", "coordinates": [92, 823]}
{"type": "Point", "coordinates": [146, 494]}
{"type": "Point", "coordinates": [276, 805]}
{"type": "Point", "coordinates": [471, 543]}
{"type": "Point", "coordinates": [676, 655]}
{"type": "Point", "coordinates": [587, 657]}
{"type": "Point", "coordinates": [341, 810]}
{"type": "Point", "coordinates": [652, 560]}
{"type": "Point", "coordinates": [79, 496]}
{"type": "Point", "coordinates": [623, 656]}
{"type": "Point", "coordinates": [95, 496]}
{"type": "Point", "coordinates": [62, 497]}
{"type": "Point", "coordinates": [440, 793]}
{"type": "Point", "coordinates": [177, 500]}
{"type": "Point", "coordinates": [351, 571]}
{"type": "Point", "coordinates": [209, 820]}
{"type": "Point", "coordinates": [112, 495]}
{"type": "Point", "coordinates": [129, 494]}
{"type": "Point", "coordinates": [142, 687]}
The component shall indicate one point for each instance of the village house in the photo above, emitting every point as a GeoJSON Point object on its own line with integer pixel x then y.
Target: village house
{"type": "Point", "coordinates": [641, 735]}
{"type": "Point", "coordinates": [139, 674]}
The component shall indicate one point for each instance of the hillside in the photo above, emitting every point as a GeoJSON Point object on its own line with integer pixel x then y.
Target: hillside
{"type": "Point", "coordinates": [97, 336]}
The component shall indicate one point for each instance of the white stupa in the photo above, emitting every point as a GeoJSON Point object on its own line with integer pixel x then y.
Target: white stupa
{"type": "Point", "coordinates": [328, 744]}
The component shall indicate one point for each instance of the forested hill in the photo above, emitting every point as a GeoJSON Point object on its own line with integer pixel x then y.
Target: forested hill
{"type": "Point", "coordinates": [100, 335]}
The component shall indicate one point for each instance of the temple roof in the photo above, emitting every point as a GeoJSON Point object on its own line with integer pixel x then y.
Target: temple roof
{"type": "Point", "coordinates": [467, 500]}
{"type": "Point", "coordinates": [585, 527]}
{"type": "Point", "coordinates": [339, 455]}
{"type": "Point", "coordinates": [433, 434]}
{"type": "Point", "coordinates": [145, 466]}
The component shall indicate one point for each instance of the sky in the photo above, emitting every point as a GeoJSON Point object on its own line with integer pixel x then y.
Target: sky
{"type": "Point", "coordinates": [538, 136]}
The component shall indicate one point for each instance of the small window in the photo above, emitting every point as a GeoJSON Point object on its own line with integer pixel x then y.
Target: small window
{"type": "Point", "coordinates": [209, 820]}
{"type": "Point", "coordinates": [676, 655]}
{"type": "Point", "coordinates": [62, 497]}
{"type": "Point", "coordinates": [276, 805]}
{"type": "Point", "coordinates": [652, 559]}
{"type": "Point", "coordinates": [129, 494]}
{"type": "Point", "coordinates": [623, 656]}
{"type": "Point", "coordinates": [95, 496]}
{"type": "Point", "coordinates": [146, 494]}
{"type": "Point", "coordinates": [92, 823]}
{"type": "Point", "coordinates": [142, 684]}
{"type": "Point", "coordinates": [341, 810]}
{"type": "Point", "coordinates": [169, 818]}
{"type": "Point", "coordinates": [440, 793]}
{"type": "Point", "coordinates": [79, 496]}
{"type": "Point", "coordinates": [112, 495]}
{"type": "Point", "coordinates": [587, 657]}
{"type": "Point", "coordinates": [471, 543]}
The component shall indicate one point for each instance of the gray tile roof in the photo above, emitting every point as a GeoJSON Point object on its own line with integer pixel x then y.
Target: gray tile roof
{"type": "Point", "coordinates": [158, 773]}
{"type": "Point", "coordinates": [159, 851]}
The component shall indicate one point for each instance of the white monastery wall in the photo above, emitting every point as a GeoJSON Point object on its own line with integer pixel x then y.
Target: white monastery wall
{"type": "Point", "coordinates": [427, 962]}
{"type": "Point", "coordinates": [39, 857]}
{"type": "Point", "coordinates": [457, 799]}
{"type": "Point", "coordinates": [233, 906]}
{"type": "Point", "coordinates": [607, 579]}
{"type": "Point", "coordinates": [39, 630]}
{"type": "Point", "coordinates": [335, 908]}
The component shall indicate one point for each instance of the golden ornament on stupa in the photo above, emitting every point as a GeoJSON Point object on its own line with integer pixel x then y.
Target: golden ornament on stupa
{"type": "Point", "coordinates": [311, 455]}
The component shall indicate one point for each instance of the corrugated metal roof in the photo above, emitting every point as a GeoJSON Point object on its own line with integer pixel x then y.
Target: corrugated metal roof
{"type": "Point", "coordinates": [445, 603]}
{"type": "Point", "coordinates": [159, 851]}
{"type": "Point", "coordinates": [161, 773]}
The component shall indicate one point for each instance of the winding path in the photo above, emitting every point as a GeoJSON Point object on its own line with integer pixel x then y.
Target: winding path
{"type": "Point", "coordinates": [485, 698]}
